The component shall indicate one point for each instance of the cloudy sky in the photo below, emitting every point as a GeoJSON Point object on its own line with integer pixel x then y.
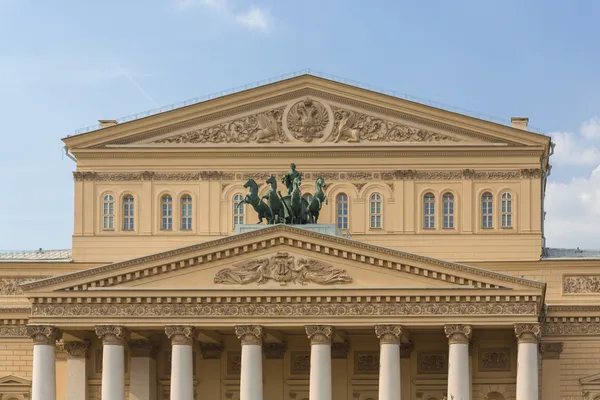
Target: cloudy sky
{"type": "Point", "coordinates": [66, 64]}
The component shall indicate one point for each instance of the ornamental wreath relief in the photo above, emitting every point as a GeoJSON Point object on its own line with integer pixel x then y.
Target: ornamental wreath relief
{"type": "Point", "coordinates": [282, 268]}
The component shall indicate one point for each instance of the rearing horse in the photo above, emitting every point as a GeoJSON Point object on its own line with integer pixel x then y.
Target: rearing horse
{"type": "Point", "coordinates": [274, 202]}
{"type": "Point", "coordinates": [261, 208]}
{"type": "Point", "coordinates": [314, 208]}
{"type": "Point", "coordinates": [298, 207]}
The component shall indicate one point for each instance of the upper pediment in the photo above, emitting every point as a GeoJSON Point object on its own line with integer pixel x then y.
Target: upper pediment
{"type": "Point", "coordinates": [305, 111]}
{"type": "Point", "coordinates": [285, 258]}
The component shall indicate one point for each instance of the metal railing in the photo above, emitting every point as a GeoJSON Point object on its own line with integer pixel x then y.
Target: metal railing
{"type": "Point", "coordinates": [307, 71]}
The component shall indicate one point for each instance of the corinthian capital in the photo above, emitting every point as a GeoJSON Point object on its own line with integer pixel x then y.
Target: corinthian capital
{"type": "Point", "coordinates": [77, 349]}
{"type": "Point", "coordinates": [319, 334]}
{"type": "Point", "coordinates": [458, 334]}
{"type": "Point", "coordinates": [388, 334]}
{"type": "Point", "coordinates": [112, 334]}
{"type": "Point", "coordinates": [528, 333]}
{"type": "Point", "coordinates": [180, 334]}
{"type": "Point", "coordinates": [249, 334]}
{"type": "Point", "coordinates": [43, 334]}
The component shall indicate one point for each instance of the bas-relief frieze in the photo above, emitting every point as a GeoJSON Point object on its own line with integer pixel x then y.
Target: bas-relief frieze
{"type": "Point", "coordinates": [10, 285]}
{"type": "Point", "coordinates": [329, 176]}
{"type": "Point", "coordinates": [581, 284]}
{"type": "Point", "coordinates": [282, 268]}
{"type": "Point", "coordinates": [578, 328]}
{"type": "Point", "coordinates": [494, 359]}
{"type": "Point", "coordinates": [13, 331]}
{"type": "Point", "coordinates": [352, 309]}
{"type": "Point", "coordinates": [432, 362]}
{"type": "Point", "coordinates": [300, 362]}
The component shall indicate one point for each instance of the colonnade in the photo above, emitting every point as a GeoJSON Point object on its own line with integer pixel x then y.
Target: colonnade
{"type": "Point", "coordinates": [115, 338]}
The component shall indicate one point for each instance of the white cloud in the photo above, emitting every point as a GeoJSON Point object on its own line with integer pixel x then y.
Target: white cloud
{"type": "Point", "coordinates": [573, 212]}
{"type": "Point", "coordinates": [254, 19]}
{"type": "Point", "coordinates": [580, 148]}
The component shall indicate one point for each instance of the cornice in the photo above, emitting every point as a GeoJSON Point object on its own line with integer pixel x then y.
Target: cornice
{"type": "Point", "coordinates": [571, 326]}
{"type": "Point", "coordinates": [528, 173]}
{"type": "Point", "coordinates": [300, 93]}
{"type": "Point", "coordinates": [321, 243]}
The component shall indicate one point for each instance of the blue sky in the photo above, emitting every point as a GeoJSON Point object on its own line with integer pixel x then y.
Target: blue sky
{"type": "Point", "coordinates": [66, 64]}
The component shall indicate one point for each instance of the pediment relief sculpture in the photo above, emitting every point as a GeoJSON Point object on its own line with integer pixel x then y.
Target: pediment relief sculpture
{"type": "Point", "coordinates": [282, 268]}
{"type": "Point", "coordinates": [309, 121]}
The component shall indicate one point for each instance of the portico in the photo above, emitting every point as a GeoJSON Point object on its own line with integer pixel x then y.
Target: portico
{"type": "Point", "coordinates": [337, 321]}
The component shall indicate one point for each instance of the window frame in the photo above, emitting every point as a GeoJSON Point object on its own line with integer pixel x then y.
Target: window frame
{"type": "Point", "coordinates": [238, 213]}
{"type": "Point", "coordinates": [183, 207]}
{"type": "Point", "coordinates": [166, 219]}
{"type": "Point", "coordinates": [507, 210]}
{"type": "Point", "coordinates": [486, 213]}
{"type": "Point", "coordinates": [345, 211]}
{"type": "Point", "coordinates": [111, 215]}
{"type": "Point", "coordinates": [376, 199]}
{"type": "Point", "coordinates": [448, 211]}
{"type": "Point", "coordinates": [429, 207]}
{"type": "Point", "coordinates": [128, 213]}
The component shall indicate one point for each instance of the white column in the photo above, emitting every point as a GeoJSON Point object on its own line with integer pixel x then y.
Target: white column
{"type": "Point", "coordinates": [43, 386]}
{"type": "Point", "coordinates": [142, 376]}
{"type": "Point", "coordinates": [114, 339]}
{"type": "Point", "coordinates": [459, 379]}
{"type": "Point", "coordinates": [389, 361]}
{"type": "Point", "coordinates": [76, 369]}
{"type": "Point", "coordinates": [251, 380]}
{"type": "Point", "coordinates": [527, 361]}
{"type": "Point", "coordinates": [320, 361]}
{"type": "Point", "coordinates": [182, 361]}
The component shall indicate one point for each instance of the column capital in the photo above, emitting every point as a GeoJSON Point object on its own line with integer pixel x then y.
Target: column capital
{"type": "Point", "coordinates": [319, 334]}
{"type": "Point", "coordinates": [388, 334]}
{"type": "Point", "coordinates": [142, 348]}
{"type": "Point", "coordinates": [249, 334]}
{"type": "Point", "coordinates": [180, 334]}
{"type": "Point", "coordinates": [458, 333]}
{"type": "Point", "coordinates": [528, 333]}
{"type": "Point", "coordinates": [43, 334]}
{"type": "Point", "coordinates": [112, 334]}
{"type": "Point", "coordinates": [77, 349]}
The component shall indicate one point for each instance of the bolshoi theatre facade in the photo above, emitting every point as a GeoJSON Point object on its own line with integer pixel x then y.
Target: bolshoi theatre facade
{"type": "Point", "coordinates": [402, 256]}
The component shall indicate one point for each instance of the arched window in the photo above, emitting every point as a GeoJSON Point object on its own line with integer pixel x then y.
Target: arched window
{"type": "Point", "coordinates": [506, 211]}
{"type": "Point", "coordinates": [128, 213]}
{"type": "Point", "coordinates": [448, 200]}
{"type": "Point", "coordinates": [186, 212]}
{"type": "Point", "coordinates": [166, 213]}
{"type": "Point", "coordinates": [429, 211]}
{"type": "Point", "coordinates": [486, 210]}
{"type": "Point", "coordinates": [238, 210]}
{"type": "Point", "coordinates": [375, 211]}
{"type": "Point", "coordinates": [108, 212]}
{"type": "Point", "coordinates": [341, 207]}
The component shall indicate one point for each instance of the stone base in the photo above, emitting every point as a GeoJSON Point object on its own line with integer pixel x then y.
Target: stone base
{"type": "Point", "coordinates": [326, 229]}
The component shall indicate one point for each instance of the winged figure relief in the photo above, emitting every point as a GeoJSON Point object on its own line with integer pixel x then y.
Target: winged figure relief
{"type": "Point", "coordinates": [307, 120]}
{"type": "Point", "coordinates": [346, 128]}
{"type": "Point", "coordinates": [269, 129]}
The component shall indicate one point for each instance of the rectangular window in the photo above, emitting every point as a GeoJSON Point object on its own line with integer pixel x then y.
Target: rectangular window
{"type": "Point", "coordinates": [128, 214]}
{"type": "Point", "coordinates": [448, 212]}
{"type": "Point", "coordinates": [186, 214]}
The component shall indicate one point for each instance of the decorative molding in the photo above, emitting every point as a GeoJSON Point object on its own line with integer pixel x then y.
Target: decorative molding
{"type": "Point", "coordinates": [528, 333]}
{"type": "Point", "coordinates": [494, 359]}
{"type": "Point", "coordinates": [249, 334]}
{"type": "Point", "coordinates": [458, 333]}
{"type": "Point", "coordinates": [181, 335]}
{"type": "Point", "coordinates": [354, 127]}
{"type": "Point", "coordinates": [90, 176]}
{"type": "Point", "coordinates": [143, 348]}
{"type": "Point", "coordinates": [282, 268]}
{"type": "Point", "coordinates": [432, 362]}
{"type": "Point", "coordinates": [581, 284]}
{"type": "Point", "coordinates": [339, 350]}
{"type": "Point", "coordinates": [359, 186]}
{"type": "Point", "coordinates": [43, 334]}
{"type": "Point", "coordinates": [60, 354]}
{"type": "Point", "coordinates": [395, 307]}
{"type": "Point", "coordinates": [274, 351]}
{"type": "Point", "coordinates": [388, 334]}
{"type": "Point", "coordinates": [264, 127]}
{"type": "Point", "coordinates": [77, 349]}
{"type": "Point", "coordinates": [319, 334]}
{"type": "Point", "coordinates": [307, 120]}
{"type": "Point", "coordinates": [211, 351]}
{"type": "Point", "coordinates": [571, 327]}
{"type": "Point", "coordinates": [300, 362]}
{"type": "Point", "coordinates": [551, 350]}
{"type": "Point", "coordinates": [406, 349]}
{"type": "Point", "coordinates": [234, 363]}
{"type": "Point", "coordinates": [112, 334]}
{"type": "Point", "coordinates": [10, 285]}
{"type": "Point", "coordinates": [10, 331]}
{"type": "Point", "coordinates": [325, 245]}
{"type": "Point", "coordinates": [366, 362]}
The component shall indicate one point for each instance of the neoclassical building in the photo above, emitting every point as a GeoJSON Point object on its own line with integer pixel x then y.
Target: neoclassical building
{"type": "Point", "coordinates": [425, 277]}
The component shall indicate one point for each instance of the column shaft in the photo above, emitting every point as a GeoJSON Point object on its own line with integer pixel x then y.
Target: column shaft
{"type": "Point", "coordinates": [43, 386]}
{"type": "Point", "coordinates": [182, 362]}
{"type": "Point", "coordinates": [320, 361]}
{"type": "Point", "coordinates": [113, 360]}
{"type": "Point", "coordinates": [251, 380]}
{"type": "Point", "coordinates": [389, 361]}
{"type": "Point", "coordinates": [527, 361]}
{"type": "Point", "coordinates": [459, 380]}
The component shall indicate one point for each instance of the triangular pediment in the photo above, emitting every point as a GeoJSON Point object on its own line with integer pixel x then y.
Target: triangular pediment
{"type": "Point", "coordinates": [287, 259]}
{"type": "Point", "coordinates": [11, 380]}
{"type": "Point", "coordinates": [305, 111]}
